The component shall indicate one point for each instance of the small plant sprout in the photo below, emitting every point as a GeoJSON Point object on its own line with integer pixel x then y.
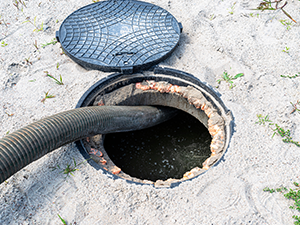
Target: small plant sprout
{"type": "Point", "coordinates": [293, 194]}
{"type": "Point", "coordinates": [232, 8]}
{"type": "Point", "coordinates": [37, 27]}
{"type": "Point", "coordinates": [2, 21]}
{"type": "Point", "coordinates": [273, 5]}
{"type": "Point", "coordinates": [47, 95]}
{"type": "Point", "coordinates": [62, 51]}
{"type": "Point", "coordinates": [3, 44]}
{"type": "Point", "coordinates": [96, 0]}
{"type": "Point", "coordinates": [254, 15]}
{"type": "Point", "coordinates": [27, 61]}
{"type": "Point", "coordinates": [35, 45]}
{"type": "Point", "coordinates": [281, 189]}
{"type": "Point", "coordinates": [7, 133]}
{"type": "Point", "coordinates": [59, 82]}
{"type": "Point", "coordinates": [57, 66]}
{"type": "Point", "coordinates": [53, 42]}
{"type": "Point", "coordinates": [226, 77]}
{"type": "Point", "coordinates": [286, 50]}
{"type": "Point", "coordinates": [286, 23]}
{"type": "Point", "coordinates": [295, 107]}
{"type": "Point", "coordinates": [32, 80]}
{"type": "Point", "coordinates": [262, 120]}
{"type": "Point", "coordinates": [18, 3]}
{"type": "Point", "coordinates": [69, 170]}
{"type": "Point", "coordinates": [62, 220]}
{"type": "Point", "coordinates": [294, 76]}
{"type": "Point", "coordinates": [286, 135]}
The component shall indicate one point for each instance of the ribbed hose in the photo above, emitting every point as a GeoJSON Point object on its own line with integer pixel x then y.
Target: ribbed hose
{"type": "Point", "coordinates": [39, 138]}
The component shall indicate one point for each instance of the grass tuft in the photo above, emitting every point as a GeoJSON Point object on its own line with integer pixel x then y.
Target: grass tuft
{"type": "Point", "coordinates": [277, 130]}
{"type": "Point", "coordinates": [295, 107]}
{"type": "Point", "coordinates": [69, 170]}
{"type": "Point", "coordinates": [3, 44]}
{"type": "Point", "coordinates": [37, 27]}
{"type": "Point", "coordinates": [293, 194]}
{"type": "Point", "coordinates": [228, 79]}
{"type": "Point", "coordinates": [53, 42]}
{"type": "Point", "coordinates": [287, 76]}
{"type": "Point", "coordinates": [274, 5]}
{"type": "Point", "coordinates": [286, 50]}
{"type": "Point", "coordinates": [62, 220]}
{"type": "Point", "coordinates": [47, 95]}
{"type": "Point", "coordinates": [59, 82]}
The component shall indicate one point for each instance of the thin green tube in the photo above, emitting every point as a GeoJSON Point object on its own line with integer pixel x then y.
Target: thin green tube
{"type": "Point", "coordinates": [30, 143]}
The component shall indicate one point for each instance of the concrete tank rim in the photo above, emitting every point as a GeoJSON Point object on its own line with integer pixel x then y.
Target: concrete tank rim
{"type": "Point", "coordinates": [88, 97]}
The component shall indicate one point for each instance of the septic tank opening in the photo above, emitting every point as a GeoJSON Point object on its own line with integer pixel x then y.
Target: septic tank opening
{"type": "Point", "coordinates": [168, 88]}
{"type": "Point", "coordinates": [167, 150]}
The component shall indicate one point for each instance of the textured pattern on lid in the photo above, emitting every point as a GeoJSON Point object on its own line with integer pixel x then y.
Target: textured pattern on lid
{"type": "Point", "coordinates": [119, 34]}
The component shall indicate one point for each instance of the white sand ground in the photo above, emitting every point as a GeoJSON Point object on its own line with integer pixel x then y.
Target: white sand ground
{"type": "Point", "coordinates": [213, 40]}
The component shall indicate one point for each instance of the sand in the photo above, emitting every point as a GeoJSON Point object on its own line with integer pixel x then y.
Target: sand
{"type": "Point", "coordinates": [217, 36]}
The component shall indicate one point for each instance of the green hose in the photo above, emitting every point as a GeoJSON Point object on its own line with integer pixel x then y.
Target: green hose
{"type": "Point", "coordinates": [30, 143]}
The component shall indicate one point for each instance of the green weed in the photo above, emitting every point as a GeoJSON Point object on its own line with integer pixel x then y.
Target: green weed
{"type": "Point", "coordinates": [286, 135]}
{"type": "Point", "coordinates": [293, 194]}
{"type": "Point", "coordinates": [286, 50]}
{"type": "Point", "coordinates": [263, 120]}
{"type": "Point", "coordinates": [57, 66]}
{"type": "Point", "coordinates": [35, 45]}
{"type": "Point", "coordinates": [19, 3]}
{"type": "Point", "coordinates": [47, 95]}
{"type": "Point", "coordinates": [62, 51]}
{"type": "Point", "coordinates": [273, 5]}
{"type": "Point", "coordinates": [59, 82]}
{"type": "Point", "coordinates": [286, 23]}
{"type": "Point", "coordinates": [287, 76]}
{"type": "Point", "coordinates": [228, 79]}
{"type": "Point", "coordinates": [281, 189]}
{"type": "Point", "coordinates": [3, 44]}
{"type": "Point", "coordinates": [28, 61]}
{"type": "Point", "coordinates": [252, 15]}
{"type": "Point", "coordinates": [2, 21]}
{"type": "Point", "coordinates": [232, 8]}
{"type": "Point", "coordinates": [295, 107]}
{"type": "Point", "coordinates": [69, 170]}
{"type": "Point", "coordinates": [62, 220]}
{"type": "Point", "coordinates": [52, 42]}
{"type": "Point", "coordinates": [32, 80]}
{"type": "Point", "coordinates": [37, 27]}
{"type": "Point", "coordinates": [277, 130]}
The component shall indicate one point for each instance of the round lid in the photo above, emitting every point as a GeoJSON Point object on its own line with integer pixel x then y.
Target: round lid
{"type": "Point", "coordinates": [119, 35]}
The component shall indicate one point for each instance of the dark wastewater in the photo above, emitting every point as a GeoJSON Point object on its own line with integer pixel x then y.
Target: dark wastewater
{"type": "Point", "coordinates": [167, 150]}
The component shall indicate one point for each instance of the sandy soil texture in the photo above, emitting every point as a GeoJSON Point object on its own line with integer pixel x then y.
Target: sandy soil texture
{"type": "Point", "coordinates": [218, 36]}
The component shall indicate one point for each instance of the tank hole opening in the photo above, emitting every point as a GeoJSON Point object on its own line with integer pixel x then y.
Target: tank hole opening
{"type": "Point", "coordinates": [177, 150]}
{"type": "Point", "coordinates": [167, 150]}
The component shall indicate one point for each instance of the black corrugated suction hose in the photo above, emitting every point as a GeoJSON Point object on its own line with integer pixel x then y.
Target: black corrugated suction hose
{"type": "Point", "coordinates": [39, 138]}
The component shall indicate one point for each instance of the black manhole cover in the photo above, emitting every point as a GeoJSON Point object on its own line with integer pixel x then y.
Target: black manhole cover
{"type": "Point", "coordinates": [119, 35]}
